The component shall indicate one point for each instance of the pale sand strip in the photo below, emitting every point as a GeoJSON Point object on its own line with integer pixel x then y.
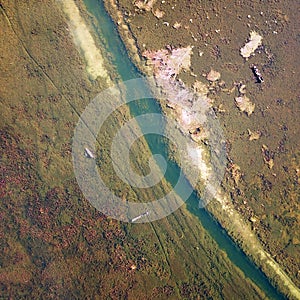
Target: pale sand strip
{"type": "Point", "coordinates": [240, 230]}
{"type": "Point", "coordinates": [85, 42]}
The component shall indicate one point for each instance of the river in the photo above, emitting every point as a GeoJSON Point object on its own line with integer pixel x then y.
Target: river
{"type": "Point", "coordinates": [107, 32]}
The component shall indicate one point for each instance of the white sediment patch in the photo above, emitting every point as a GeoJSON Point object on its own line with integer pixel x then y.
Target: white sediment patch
{"type": "Point", "coordinates": [244, 104]}
{"type": "Point", "coordinates": [146, 5]}
{"type": "Point", "coordinates": [197, 155]}
{"type": "Point", "coordinates": [252, 45]}
{"type": "Point", "coordinates": [85, 42]}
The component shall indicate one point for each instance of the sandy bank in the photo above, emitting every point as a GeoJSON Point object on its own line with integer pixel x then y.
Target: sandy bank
{"type": "Point", "coordinates": [85, 42]}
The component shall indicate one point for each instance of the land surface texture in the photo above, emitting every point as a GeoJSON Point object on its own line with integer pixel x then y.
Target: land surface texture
{"type": "Point", "coordinates": [54, 244]}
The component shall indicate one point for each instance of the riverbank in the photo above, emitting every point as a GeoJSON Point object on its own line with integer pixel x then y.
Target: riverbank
{"type": "Point", "coordinates": [226, 212]}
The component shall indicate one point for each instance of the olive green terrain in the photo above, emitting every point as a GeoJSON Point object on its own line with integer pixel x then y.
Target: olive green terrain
{"type": "Point", "coordinates": [217, 30]}
{"type": "Point", "coordinates": [54, 245]}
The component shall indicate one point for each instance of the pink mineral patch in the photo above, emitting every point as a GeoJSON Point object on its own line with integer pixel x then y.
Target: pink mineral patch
{"type": "Point", "coordinates": [169, 63]}
{"type": "Point", "coordinates": [189, 106]}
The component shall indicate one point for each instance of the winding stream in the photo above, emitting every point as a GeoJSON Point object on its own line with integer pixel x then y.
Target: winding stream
{"type": "Point", "coordinates": [108, 34]}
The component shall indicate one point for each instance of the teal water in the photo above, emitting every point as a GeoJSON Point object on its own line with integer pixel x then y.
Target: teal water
{"type": "Point", "coordinates": [126, 70]}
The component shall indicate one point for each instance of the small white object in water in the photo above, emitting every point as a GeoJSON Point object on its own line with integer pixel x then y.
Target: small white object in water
{"type": "Point", "coordinates": [88, 153]}
{"type": "Point", "coordinates": [140, 216]}
{"type": "Point", "coordinates": [252, 45]}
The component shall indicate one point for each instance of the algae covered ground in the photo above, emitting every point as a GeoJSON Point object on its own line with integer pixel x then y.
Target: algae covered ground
{"type": "Point", "coordinates": [54, 244]}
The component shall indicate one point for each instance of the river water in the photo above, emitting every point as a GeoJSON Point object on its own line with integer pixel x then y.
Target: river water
{"type": "Point", "coordinates": [107, 32]}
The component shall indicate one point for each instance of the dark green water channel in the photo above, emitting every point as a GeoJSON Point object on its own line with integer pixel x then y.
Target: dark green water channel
{"type": "Point", "coordinates": [126, 70]}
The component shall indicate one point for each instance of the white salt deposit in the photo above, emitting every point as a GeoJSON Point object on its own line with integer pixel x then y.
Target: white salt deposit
{"type": "Point", "coordinates": [252, 45]}
{"type": "Point", "coordinates": [197, 157]}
